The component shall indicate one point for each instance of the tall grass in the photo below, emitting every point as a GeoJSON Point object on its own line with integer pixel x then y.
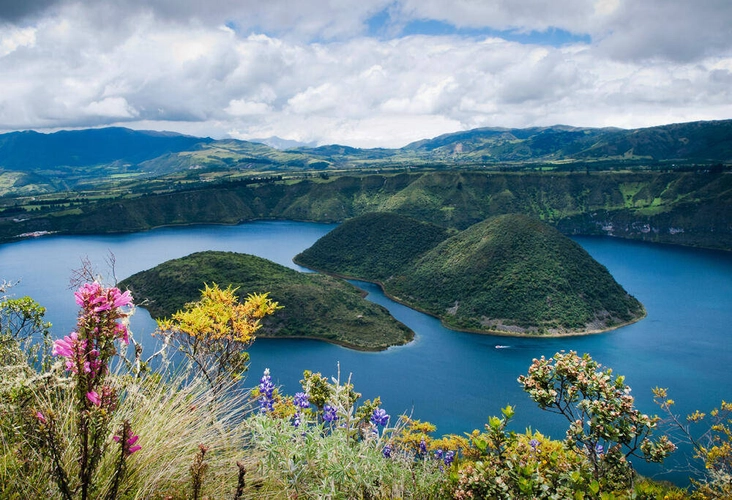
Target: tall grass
{"type": "Point", "coordinates": [172, 412]}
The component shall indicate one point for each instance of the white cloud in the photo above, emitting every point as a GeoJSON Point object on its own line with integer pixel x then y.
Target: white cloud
{"type": "Point", "coordinates": [307, 70]}
{"type": "Point", "coordinates": [12, 38]}
{"type": "Point", "coordinates": [241, 107]}
{"type": "Point", "coordinates": [111, 107]}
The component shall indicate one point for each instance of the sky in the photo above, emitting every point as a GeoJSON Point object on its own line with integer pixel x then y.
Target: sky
{"type": "Point", "coordinates": [363, 73]}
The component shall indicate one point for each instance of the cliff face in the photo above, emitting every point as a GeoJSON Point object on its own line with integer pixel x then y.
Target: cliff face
{"type": "Point", "coordinates": [680, 208]}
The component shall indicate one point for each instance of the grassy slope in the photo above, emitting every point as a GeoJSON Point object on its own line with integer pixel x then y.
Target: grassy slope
{"type": "Point", "coordinates": [315, 306]}
{"type": "Point", "coordinates": [510, 273]}
{"type": "Point", "coordinates": [512, 270]}
{"type": "Point", "coordinates": [375, 245]}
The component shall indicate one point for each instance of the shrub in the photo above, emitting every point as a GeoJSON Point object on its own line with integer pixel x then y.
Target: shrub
{"type": "Point", "coordinates": [319, 444]}
{"type": "Point", "coordinates": [712, 446]}
{"type": "Point", "coordinates": [604, 424]}
{"type": "Point", "coordinates": [216, 331]}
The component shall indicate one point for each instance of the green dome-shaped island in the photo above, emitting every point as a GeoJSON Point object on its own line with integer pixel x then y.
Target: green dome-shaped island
{"type": "Point", "coordinates": [314, 305]}
{"type": "Point", "coordinates": [510, 274]}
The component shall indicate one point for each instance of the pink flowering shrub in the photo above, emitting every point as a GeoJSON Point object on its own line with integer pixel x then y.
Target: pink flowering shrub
{"type": "Point", "coordinates": [87, 353]}
{"type": "Point", "coordinates": [604, 424]}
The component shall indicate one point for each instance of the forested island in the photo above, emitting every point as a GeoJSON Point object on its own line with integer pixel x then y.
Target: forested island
{"type": "Point", "coordinates": [313, 305]}
{"type": "Point", "coordinates": [509, 274]}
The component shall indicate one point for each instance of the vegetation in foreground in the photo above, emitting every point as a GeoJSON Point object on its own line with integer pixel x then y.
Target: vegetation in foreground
{"type": "Point", "coordinates": [83, 422]}
{"type": "Point", "coordinates": [312, 305]}
{"type": "Point", "coordinates": [507, 274]}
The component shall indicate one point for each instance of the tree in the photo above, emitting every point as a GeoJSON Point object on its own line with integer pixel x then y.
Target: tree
{"type": "Point", "coordinates": [604, 423]}
{"type": "Point", "coordinates": [713, 446]}
{"type": "Point", "coordinates": [22, 324]}
{"type": "Point", "coordinates": [216, 331]}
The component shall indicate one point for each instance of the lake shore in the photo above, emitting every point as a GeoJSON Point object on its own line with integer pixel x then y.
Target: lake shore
{"type": "Point", "coordinates": [498, 333]}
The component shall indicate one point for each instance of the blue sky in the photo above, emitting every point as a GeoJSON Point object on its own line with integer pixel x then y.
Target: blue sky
{"type": "Point", "coordinates": [379, 26]}
{"type": "Point", "coordinates": [364, 73]}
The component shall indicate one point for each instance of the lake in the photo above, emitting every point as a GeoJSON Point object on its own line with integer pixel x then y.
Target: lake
{"type": "Point", "coordinates": [452, 379]}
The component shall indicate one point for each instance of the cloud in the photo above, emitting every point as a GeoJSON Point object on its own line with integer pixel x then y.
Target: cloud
{"type": "Point", "coordinates": [111, 107]}
{"type": "Point", "coordinates": [15, 38]}
{"type": "Point", "coordinates": [310, 71]}
{"type": "Point", "coordinates": [17, 10]}
{"type": "Point", "coordinates": [673, 30]}
{"type": "Point", "coordinates": [241, 107]}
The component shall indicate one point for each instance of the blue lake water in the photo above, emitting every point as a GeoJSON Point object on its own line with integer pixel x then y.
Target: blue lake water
{"type": "Point", "coordinates": [453, 379]}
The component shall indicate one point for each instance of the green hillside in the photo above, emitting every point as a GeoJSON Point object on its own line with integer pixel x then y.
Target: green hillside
{"type": "Point", "coordinates": [684, 208]}
{"type": "Point", "coordinates": [510, 274]}
{"type": "Point", "coordinates": [376, 245]}
{"type": "Point", "coordinates": [315, 306]}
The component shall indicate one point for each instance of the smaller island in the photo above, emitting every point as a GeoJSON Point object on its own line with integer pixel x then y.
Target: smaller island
{"type": "Point", "coordinates": [510, 275]}
{"type": "Point", "coordinates": [314, 305]}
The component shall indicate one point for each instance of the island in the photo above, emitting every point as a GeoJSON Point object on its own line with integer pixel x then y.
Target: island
{"type": "Point", "coordinates": [314, 305]}
{"type": "Point", "coordinates": [510, 274]}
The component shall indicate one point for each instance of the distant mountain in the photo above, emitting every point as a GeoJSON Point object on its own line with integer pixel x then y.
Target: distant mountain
{"type": "Point", "coordinates": [700, 141]}
{"type": "Point", "coordinates": [32, 150]}
{"type": "Point", "coordinates": [282, 144]}
{"type": "Point", "coordinates": [510, 273]}
{"type": "Point", "coordinates": [158, 153]}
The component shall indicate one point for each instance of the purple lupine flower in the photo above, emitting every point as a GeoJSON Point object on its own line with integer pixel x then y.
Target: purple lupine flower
{"type": "Point", "coordinates": [599, 450]}
{"type": "Point", "coordinates": [386, 451]}
{"type": "Point", "coordinates": [379, 417]}
{"type": "Point", "coordinates": [296, 420]}
{"type": "Point", "coordinates": [449, 457]}
{"type": "Point", "coordinates": [534, 443]}
{"type": "Point", "coordinates": [329, 414]}
{"type": "Point", "coordinates": [438, 454]}
{"type": "Point", "coordinates": [422, 447]}
{"type": "Point", "coordinates": [301, 400]}
{"type": "Point", "coordinates": [266, 390]}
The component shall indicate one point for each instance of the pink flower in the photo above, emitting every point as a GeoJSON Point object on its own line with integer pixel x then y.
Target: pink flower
{"type": "Point", "coordinates": [87, 293]}
{"type": "Point", "coordinates": [94, 398]}
{"type": "Point", "coordinates": [122, 333]}
{"type": "Point", "coordinates": [121, 299]}
{"type": "Point", "coordinates": [40, 417]}
{"type": "Point", "coordinates": [130, 446]}
{"type": "Point", "coordinates": [65, 346]}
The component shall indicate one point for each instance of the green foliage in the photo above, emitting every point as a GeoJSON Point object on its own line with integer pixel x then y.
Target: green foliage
{"type": "Point", "coordinates": [604, 423]}
{"type": "Point", "coordinates": [313, 306]}
{"type": "Point", "coordinates": [172, 413]}
{"type": "Point", "coordinates": [23, 330]}
{"type": "Point", "coordinates": [196, 444]}
{"type": "Point", "coordinates": [22, 319]}
{"type": "Point", "coordinates": [508, 273]}
{"type": "Point", "coordinates": [306, 454]}
{"type": "Point", "coordinates": [685, 208]}
{"type": "Point", "coordinates": [375, 246]}
{"type": "Point", "coordinates": [525, 466]}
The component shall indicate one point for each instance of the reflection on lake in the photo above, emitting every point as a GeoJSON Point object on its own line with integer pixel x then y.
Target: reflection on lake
{"type": "Point", "coordinates": [452, 379]}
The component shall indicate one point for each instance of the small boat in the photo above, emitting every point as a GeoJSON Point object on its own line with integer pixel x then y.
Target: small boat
{"type": "Point", "coordinates": [502, 346]}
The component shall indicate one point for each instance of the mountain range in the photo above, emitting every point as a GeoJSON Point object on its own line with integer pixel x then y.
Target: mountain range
{"type": "Point", "coordinates": [150, 153]}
